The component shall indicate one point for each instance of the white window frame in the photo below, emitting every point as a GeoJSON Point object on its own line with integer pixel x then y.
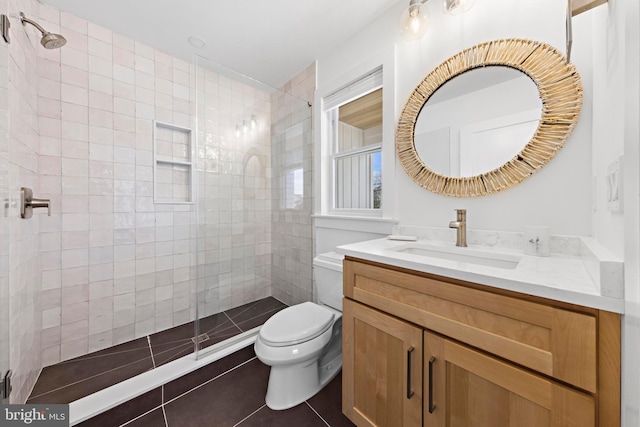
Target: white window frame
{"type": "Point", "coordinates": [358, 88]}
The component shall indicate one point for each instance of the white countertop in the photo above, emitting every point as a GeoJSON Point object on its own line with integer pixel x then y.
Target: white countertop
{"type": "Point", "coordinates": [558, 277]}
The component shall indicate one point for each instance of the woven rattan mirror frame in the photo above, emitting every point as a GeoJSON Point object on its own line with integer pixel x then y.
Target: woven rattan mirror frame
{"type": "Point", "coordinates": [560, 90]}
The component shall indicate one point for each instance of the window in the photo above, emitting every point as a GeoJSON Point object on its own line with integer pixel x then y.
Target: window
{"type": "Point", "coordinates": [293, 189]}
{"type": "Point", "coordinates": [355, 138]}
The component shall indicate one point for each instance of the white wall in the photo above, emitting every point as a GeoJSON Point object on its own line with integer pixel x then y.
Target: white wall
{"type": "Point", "coordinates": [550, 197]}
{"type": "Point", "coordinates": [627, 16]}
{"type": "Point", "coordinates": [607, 40]}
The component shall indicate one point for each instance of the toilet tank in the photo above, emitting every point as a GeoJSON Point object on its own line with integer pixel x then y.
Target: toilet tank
{"type": "Point", "coordinates": [327, 275]}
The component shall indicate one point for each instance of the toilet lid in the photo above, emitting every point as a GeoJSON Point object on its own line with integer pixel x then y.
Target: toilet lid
{"type": "Point", "coordinates": [296, 324]}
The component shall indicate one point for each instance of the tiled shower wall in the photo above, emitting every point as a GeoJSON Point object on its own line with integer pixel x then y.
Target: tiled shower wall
{"type": "Point", "coordinates": [292, 157]}
{"type": "Point", "coordinates": [115, 265]}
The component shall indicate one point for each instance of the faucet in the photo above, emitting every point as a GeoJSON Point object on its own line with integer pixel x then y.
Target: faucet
{"type": "Point", "coordinates": [461, 225]}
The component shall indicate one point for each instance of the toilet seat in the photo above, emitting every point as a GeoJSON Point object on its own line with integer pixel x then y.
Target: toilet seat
{"type": "Point", "coordinates": [296, 324]}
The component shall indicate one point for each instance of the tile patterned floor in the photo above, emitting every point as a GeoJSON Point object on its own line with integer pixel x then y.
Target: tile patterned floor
{"type": "Point", "coordinates": [72, 379]}
{"type": "Point", "coordinates": [226, 393]}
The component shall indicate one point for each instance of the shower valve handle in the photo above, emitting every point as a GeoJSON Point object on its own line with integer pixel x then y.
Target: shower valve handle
{"type": "Point", "coordinates": [28, 203]}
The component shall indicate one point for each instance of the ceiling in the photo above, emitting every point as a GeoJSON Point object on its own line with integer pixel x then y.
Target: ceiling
{"type": "Point", "coordinates": [270, 41]}
{"type": "Point", "coordinates": [364, 112]}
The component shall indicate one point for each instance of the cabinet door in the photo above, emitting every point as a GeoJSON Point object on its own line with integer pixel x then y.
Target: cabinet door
{"type": "Point", "coordinates": [382, 368]}
{"type": "Point", "coordinates": [464, 387]}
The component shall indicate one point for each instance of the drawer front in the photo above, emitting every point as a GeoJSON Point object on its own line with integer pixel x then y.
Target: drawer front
{"type": "Point", "coordinates": [466, 387]}
{"type": "Point", "coordinates": [556, 342]}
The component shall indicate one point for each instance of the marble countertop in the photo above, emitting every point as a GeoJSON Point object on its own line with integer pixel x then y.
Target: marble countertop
{"type": "Point", "coordinates": [559, 277]}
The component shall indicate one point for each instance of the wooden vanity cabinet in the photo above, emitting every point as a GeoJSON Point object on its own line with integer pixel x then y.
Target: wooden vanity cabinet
{"type": "Point", "coordinates": [382, 368]}
{"type": "Point", "coordinates": [489, 357]}
{"type": "Point", "coordinates": [469, 388]}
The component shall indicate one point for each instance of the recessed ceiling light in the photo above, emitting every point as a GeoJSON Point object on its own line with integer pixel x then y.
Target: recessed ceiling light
{"type": "Point", "coordinates": [197, 42]}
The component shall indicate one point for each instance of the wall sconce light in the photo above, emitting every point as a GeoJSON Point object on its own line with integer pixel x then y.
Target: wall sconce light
{"type": "Point", "coordinates": [247, 125]}
{"type": "Point", "coordinates": [457, 7]}
{"type": "Point", "coordinates": [415, 19]}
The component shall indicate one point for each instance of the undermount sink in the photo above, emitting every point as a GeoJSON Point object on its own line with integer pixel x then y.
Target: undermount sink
{"type": "Point", "coordinates": [468, 255]}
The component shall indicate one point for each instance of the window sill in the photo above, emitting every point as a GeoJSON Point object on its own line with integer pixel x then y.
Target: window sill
{"type": "Point", "coordinates": [355, 223]}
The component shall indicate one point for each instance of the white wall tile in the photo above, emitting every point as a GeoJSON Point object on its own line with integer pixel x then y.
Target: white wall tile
{"type": "Point", "coordinates": [99, 290]}
{"type": "Point", "coordinates": [100, 66]}
{"type": "Point", "coordinates": [73, 313]}
{"type": "Point", "coordinates": [75, 58]}
{"type": "Point", "coordinates": [101, 238]}
{"type": "Point", "coordinates": [51, 317]}
{"type": "Point", "coordinates": [75, 276]}
{"type": "Point", "coordinates": [75, 294]}
{"type": "Point", "coordinates": [71, 349]}
{"type": "Point", "coordinates": [100, 48]}
{"type": "Point", "coordinates": [125, 74]}
{"type": "Point", "coordinates": [100, 101]}
{"type": "Point", "coordinates": [101, 272]}
{"type": "Point", "coordinates": [100, 255]}
{"type": "Point", "coordinates": [74, 76]}
{"type": "Point", "coordinates": [75, 240]}
{"type": "Point", "coordinates": [100, 341]}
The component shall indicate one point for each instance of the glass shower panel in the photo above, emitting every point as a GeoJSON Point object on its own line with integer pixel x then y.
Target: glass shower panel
{"type": "Point", "coordinates": [291, 194]}
{"type": "Point", "coordinates": [236, 200]}
{"type": "Point", "coordinates": [4, 223]}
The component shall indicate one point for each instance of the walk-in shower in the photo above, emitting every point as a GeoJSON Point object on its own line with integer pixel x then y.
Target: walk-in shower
{"type": "Point", "coordinates": [181, 191]}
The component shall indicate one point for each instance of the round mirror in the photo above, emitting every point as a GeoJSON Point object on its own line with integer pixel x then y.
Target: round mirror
{"type": "Point", "coordinates": [477, 121]}
{"type": "Point", "coordinates": [488, 117]}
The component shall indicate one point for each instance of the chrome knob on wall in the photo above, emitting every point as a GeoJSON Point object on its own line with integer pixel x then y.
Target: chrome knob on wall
{"type": "Point", "coordinates": [28, 203]}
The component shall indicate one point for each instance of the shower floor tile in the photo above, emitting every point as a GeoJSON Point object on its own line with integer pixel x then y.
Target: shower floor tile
{"type": "Point", "coordinates": [255, 313]}
{"type": "Point", "coordinates": [176, 342]}
{"type": "Point", "coordinates": [73, 379]}
{"type": "Point", "coordinates": [227, 393]}
{"type": "Point", "coordinates": [139, 407]}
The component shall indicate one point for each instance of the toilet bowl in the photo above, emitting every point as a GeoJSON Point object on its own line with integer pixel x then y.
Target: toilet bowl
{"type": "Point", "coordinates": [303, 343]}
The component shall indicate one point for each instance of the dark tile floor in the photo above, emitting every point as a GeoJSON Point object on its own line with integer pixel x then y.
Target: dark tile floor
{"type": "Point", "coordinates": [72, 379]}
{"type": "Point", "coordinates": [229, 392]}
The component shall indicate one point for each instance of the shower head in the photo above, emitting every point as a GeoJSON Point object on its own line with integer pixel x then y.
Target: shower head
{"type": "Point", "coordinates": [52, 41]}
{"type": "Point", "coordinates": [49, 40]}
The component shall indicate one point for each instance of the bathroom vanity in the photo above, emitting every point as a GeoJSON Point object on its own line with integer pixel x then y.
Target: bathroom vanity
{"type": "Point", "coordinates": [440, 342]}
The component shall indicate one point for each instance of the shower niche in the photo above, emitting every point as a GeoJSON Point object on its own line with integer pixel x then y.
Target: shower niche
{"type": "Point", "coordinates": [172, 166]}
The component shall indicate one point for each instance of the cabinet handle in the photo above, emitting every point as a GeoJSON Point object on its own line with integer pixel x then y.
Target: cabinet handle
{"type": "Point", "coordinates": [409, 391]}
{"type": "Point", "coordinates": [432, 407]}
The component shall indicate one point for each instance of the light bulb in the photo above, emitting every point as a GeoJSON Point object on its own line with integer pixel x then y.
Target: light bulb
{"type": "Point", "coordinates": [245, 128]}
{"type": "Point", "coordinates": [254, 121]}
{"type": "Point", "coordinates": [237, 131]}
{"type": "Point", "coordinates": [457, 7]}
{"type": "Point", "coordinates": [414, 21]}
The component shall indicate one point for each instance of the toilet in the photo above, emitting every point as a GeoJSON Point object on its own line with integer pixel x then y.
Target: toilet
{"type": "Point", "coordinates": [303, 343]}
